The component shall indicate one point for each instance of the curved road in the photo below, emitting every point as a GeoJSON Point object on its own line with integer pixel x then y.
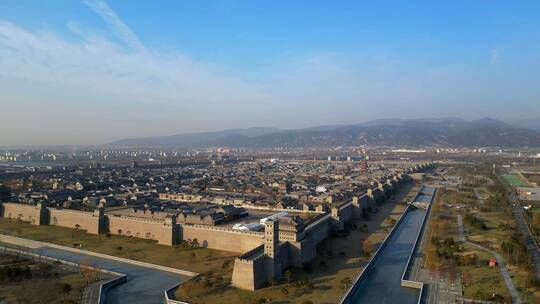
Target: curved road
{"type": "Point", "coordinates": [500, 261]}
{"type": "Point", "coordinates": [144, 284]}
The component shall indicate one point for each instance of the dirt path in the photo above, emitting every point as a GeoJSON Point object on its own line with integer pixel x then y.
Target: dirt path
{"type": "Point", "coordinates": [500, 261]}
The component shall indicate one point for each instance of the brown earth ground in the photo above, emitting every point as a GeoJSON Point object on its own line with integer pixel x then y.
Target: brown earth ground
{"type": "Point", "coordinates": [480, 279]}
{"type": "Point", "coordinates": [45, 285]}
{"type": "Point", "coordinates": [192, 259]}
{"type": "Point", "coordinates": [533, 178]}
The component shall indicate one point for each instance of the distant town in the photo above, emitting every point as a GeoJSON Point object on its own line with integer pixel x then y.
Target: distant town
{"type": "Point", "coordinates": [258, 224]}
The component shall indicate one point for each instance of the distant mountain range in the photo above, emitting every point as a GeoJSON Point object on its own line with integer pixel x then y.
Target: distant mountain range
{"type": "Point", "coordinates": [444, 132]}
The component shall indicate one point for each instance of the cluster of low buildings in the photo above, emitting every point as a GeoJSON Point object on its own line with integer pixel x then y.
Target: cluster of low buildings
{"type": "Point", "coordinates": [203, 202]}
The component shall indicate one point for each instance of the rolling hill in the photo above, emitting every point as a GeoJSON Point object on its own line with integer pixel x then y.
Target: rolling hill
{"type": "Point", "coordinates": [445, 132]}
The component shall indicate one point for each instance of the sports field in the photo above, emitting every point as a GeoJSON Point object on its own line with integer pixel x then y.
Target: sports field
{"type": "Point", "coordinates": [515, 180]}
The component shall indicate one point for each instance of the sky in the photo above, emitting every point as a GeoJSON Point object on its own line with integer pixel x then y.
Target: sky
{"type": "Point", "coordinates": [93, 71]}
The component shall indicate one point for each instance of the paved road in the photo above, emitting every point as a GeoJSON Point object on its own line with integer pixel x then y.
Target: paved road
{"type": "Point", "coordinates": [90, 294]}
{"type": "Point", "coordinates": [516, 298]}
{"type": "Point", "coordinates": [461, 229]}
{"type": "Point", "coordinates": [144, 284]}
{"type": "Point", "coordinates": [440, 287]}
{"type": "Point", "coordinates": [478, 196]}
{"type": "Point", "coordinates": [530, 241]}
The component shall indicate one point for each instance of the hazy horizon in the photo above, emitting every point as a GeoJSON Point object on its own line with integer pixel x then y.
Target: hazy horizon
{"type": "Point", "coordinates": [90, 72]}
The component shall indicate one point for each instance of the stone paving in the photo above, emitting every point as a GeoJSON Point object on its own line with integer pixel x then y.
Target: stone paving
{"type": "Point", "coordinates": [144, 284]}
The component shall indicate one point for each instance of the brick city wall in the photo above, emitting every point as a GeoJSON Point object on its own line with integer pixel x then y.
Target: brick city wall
{"type": "Point", "coordinates": [28, 213]}
{"type": "Point", "coordinates": [70, 218]}
{"type": "Point", "coordinates": [143, 228]}
{"type": "Point", "coordinates": [249, 269]}
{"type": "Point", "coordinates": [222, 239]}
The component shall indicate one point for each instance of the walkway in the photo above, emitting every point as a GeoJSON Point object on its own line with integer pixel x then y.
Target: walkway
{"type": "Point", "coordinates": [144, 284]}
{"type": "Point", "coordinates": [90, 294]}
{"type": "Point", "coordinates": [439, 286]}
{"type": "Point", "coordinates": [478, 196]}
{"type": "Point", "coordinates": [500, 261]}
{"type": "Point", "coordinates": [530, 241]}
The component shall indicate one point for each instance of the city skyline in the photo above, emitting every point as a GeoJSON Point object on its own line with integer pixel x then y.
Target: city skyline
{"type": "Point", "coordinates": [91, 72]}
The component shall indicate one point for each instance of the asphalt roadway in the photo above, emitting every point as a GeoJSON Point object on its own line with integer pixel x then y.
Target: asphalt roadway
{"type": "Point", "coordinates": [530, 241]}
{"type": "Point", "coordinates": [144, 284]}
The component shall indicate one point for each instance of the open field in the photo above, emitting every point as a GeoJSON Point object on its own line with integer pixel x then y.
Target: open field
{"type": "Point", "coordinates": [489, 224]}
{"type": "Point", "coordinates": [39, 283]}
{"type": "Point", "coordinates": [515, 180]}
{"type": "Point", "coordinates": [500, 227]}
{"type": "Point", "coordinates": [448, 256]}
{"type": "Point", "coordinates": [192, 259]}
{"type": "Point", "coordinates": [340, 258]}
{"type": "Point", "coordinates": [533, 178]}
{"type": "Point", "coordinates": [480, 280]}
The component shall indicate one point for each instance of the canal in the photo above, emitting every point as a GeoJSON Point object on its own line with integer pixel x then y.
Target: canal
{"type": "Point", "coordinates": [381, 281]}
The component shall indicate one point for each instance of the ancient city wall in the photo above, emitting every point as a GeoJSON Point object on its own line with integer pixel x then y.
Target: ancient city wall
{"type": "Point", "coordinates": [222, 238]}
{"type": "Point", "coordinates": [346, 212]}
{"type": "Point", "coordinates": [284, 255]}
{"type": "Point", "coordinates": [249, 269]}
{"type": "Point", "coordinates": [361, 203]}
{"type": "Point", "coordinates": [34, 214]}
{"type": "Point", "coordinates": [143, 228]}
{"type": "Point", "coordinates": [306, 250]}
{"type": "Point", "coordinates": [77, 220]}
{"type": "Point", "coordinates": [249, 274]}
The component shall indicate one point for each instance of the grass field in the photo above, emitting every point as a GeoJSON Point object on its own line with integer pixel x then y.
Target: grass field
{"type": "Point", "coordinates": [514, 180]}
{"type": "Point", "coordinates": [479, 280]}
{"type": "Point", "coordinates": [533, 178]}
{"type": "Point", "coordinates": [492, 238]}
{"type": "Point", "coordinates": [196, 259]}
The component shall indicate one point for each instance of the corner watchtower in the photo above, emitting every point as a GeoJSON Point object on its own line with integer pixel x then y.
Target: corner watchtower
{"type": "Point", "coordinates": [271, 238]}
{"type": "Point", "coordinates": [271, 249]}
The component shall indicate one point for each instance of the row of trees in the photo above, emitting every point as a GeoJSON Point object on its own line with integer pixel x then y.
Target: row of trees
{"type": "Point", "coordinates": [536, 222]}
{"type": "Point", "coordinates": [514, 250]}
{"type": "Point", "coordinates": [15, 273]}
{"type": "Point", "coordinates": [190, 244]}
{"type": "Point", "coordinates": [474, 221]}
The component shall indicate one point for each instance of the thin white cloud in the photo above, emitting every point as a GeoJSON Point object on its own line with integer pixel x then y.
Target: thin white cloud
{"type": "Point", "coordinates": [125, 34]}
{"type": "Point", "coordinates": [117, 25]}
{"type": "Point", "coordinates": [495, 56]}
{"type": "Point", "coordinates": [118, 87]}
{"type": "Point", "coordinates": [94, 63]}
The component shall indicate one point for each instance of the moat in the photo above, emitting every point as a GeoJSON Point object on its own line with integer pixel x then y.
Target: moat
{"type": "Point", "coordinates": [382, 281]}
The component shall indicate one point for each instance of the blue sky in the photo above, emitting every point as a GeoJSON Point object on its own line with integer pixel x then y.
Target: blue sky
{"type": "Point", "coordinates": [77, 72]}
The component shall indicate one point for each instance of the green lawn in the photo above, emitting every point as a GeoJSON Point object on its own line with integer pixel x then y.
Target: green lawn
{"type": "Point", "coordinates": [514, 180]}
